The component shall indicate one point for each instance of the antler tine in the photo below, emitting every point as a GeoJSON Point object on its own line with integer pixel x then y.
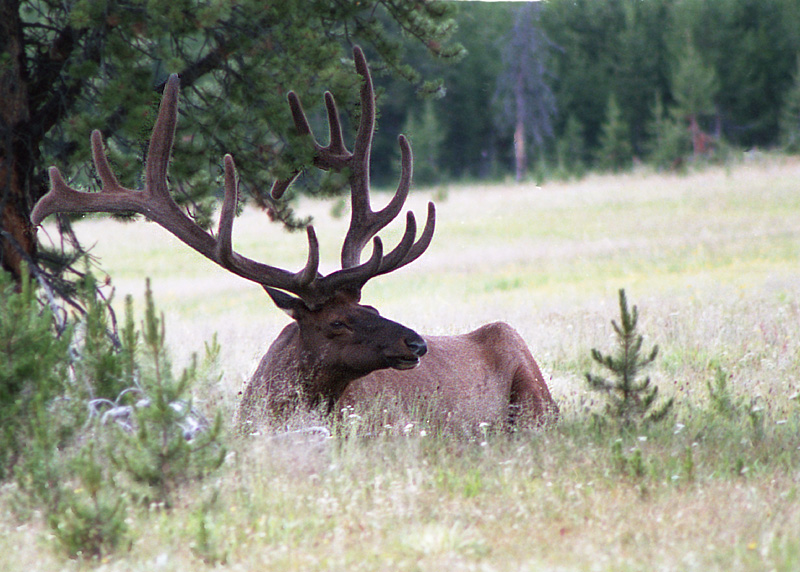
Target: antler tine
{"type": "Point", "coordinates": [60, 198]}
{"type": "Point", "coordinates": [280, 185]}
{"type": "Point", "coordinates": [363, 143]}
{"type": "Point", "coordinates": [391, 260]}
{"type": "Point", "coordinates": [227, 214]}
{"type": "Point", "coordinates": [407, 250]}
{"type": "Point", "coordinates": [362, 226]}
{"type": "Point", "coordinates": [355, 277]}
{"type": "Point", "coordinates": [114, 198]}
{"type": "Point", "coordinates": [311, 271]}
{"type": "Point", "coordinates": [161, 140]}
{"type": "Point", "coordinates": [336, 142]}
{"type": "Point", "coordinates": [422, 243]}
{"type": "Point", "coordinates": [364, 223]}
{"type": "Point", "coordinates": [298, 115]}
{"type": "Point", "coordinates": [236, 263]}
{"type": "Point", "coordinates": [334, 156]}
{"type": "Point", "coordinates": [107, 176]}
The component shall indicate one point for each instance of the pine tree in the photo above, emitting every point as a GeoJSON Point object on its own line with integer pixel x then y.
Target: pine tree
{"type": "Point", "coordinates": [33, 367]}
{"type": "Point", "coordinates": [790, 115]}
{"type": "Point", "coordinates": [629, 398]}
{"type": "Point", "coordinates": [523, 86]}
{"type": "Point", "coordinates": [426, 137]}
{"type": "Point", "coordinates": [571, 148]}
{"type": "Point", "coordinates": [71, 67]}
{"type": "Point", "coordinates": [694, 87]}
{"type": "Point", "coordinates": [615, 152]}
{"type": "Point", "coordinates": [668, 140]}
{"type": "Point", "coordinates": [78, 456]}
{"type": "Point", "coordinates": [168, 446]}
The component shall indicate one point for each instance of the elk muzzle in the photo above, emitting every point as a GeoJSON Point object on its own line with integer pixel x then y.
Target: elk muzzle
{"type": "Point", "coordinates": [415, 348]}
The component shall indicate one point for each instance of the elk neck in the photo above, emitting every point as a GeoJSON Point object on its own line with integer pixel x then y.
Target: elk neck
{"type": "Point", "coordinates": [310, 369]}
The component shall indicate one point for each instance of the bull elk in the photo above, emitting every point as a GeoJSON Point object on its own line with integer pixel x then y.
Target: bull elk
{"type": "Point", "coordinates": [336, 349]}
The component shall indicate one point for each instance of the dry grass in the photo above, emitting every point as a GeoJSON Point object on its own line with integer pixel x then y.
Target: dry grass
{"type": "Point", "coordinates": [711, 259]}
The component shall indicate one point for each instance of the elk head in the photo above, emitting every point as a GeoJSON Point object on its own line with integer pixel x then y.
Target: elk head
{"type": "Point", "coordinates": [347, 338]}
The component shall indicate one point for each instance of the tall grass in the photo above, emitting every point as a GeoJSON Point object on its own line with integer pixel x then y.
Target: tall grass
{"type": "Point", "coordinates": [711, 259]}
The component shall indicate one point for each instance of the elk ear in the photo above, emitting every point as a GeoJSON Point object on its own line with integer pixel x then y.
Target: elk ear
{"type": "Point", "coordinates": [294, 307]}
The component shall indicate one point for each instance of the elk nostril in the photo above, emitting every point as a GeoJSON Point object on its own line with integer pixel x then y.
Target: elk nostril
{"type": "Point", "coordinates": [417, 346]}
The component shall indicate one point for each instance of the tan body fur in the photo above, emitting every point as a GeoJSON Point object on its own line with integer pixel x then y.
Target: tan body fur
{"type": "Point", "coordinates": [485, 376]}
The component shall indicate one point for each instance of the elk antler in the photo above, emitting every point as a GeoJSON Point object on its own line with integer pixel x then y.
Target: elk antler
{"type": "Point", "coordinates": [364, 222]}
{"type": "Point", "coordinates": [155, 202]}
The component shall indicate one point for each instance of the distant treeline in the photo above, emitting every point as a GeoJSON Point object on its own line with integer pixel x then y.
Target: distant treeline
{"type": "Point", "coordinates": [660, 81]}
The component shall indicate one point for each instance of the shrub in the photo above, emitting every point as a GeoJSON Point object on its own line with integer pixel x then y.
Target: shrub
{"type": "Point", "coordinates": [33, 366]}
{"type": "Point", "coordinates": [105, 360]}
{"type": "Point", "coordinates": [121, 421]}
{"type": "Point", "coordinates": [669, 143]}
{"type": "Point", "coordinates": [89, 522]}
{"type": "Point", "coordinates": [171, 442]}
{"type": "Point", "coordinates": [615, 152]}
{"type": "Point", "coordinates": [629, 398]}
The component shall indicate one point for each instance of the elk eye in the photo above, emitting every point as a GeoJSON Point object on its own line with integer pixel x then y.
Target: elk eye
{"type": "Point", "coordinates": [337, 325]}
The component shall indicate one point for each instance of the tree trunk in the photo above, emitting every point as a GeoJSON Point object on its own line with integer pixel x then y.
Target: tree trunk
{"type": "Point", "coordinates": [519, 151]}
{"type": "Point", "coordinates": [519, 131]}
{"type": "Point", "coordinates": [17, 150]}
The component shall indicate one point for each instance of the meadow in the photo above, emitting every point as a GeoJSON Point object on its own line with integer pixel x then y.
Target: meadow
{"type": "Point", "coordinates": [710, 258]}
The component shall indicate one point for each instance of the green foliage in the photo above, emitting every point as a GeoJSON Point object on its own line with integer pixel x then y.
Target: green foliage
{"type": "Point", "coordinates": [641, 50]}
{"type": "Point", "coordinates": [168, 446]}
{"type": "Point", "coordinates": [632, 465]}
{"type": "Point", "coordinates": [747, 413]}
{"type": "Point", "coordinates": [89, 522]}
{"type": "Point", "coordinates": [688, 464]}
{"type": "Point", "coordinates": [105, 361]}
{"type": "Point", "coordinates": [694, 83]}
{"type": "Point", "coordinates": [81, 469]}
{"type": "Point", "coordinates": [33, 366]}
{"type": "Point", "coordinates": [790, 114]}
{"type": "Point", "coordinates": [571, 148]}
{"type": "Point", "coordinates": [473, 145]}
{"type": "Point", "coordinates": [630, 399]}
{"type": "Point", "coordinates": [720, 395]}
{"type": "Point", "coordinates": [669, 142]}
{"type": "Point", "coordinates": [467, 484]}
{"type": "Point", "coordinates": [236, 61]}
{"type": "Point", "coordinates": [206, 543]}
{"type": "Point", "coordinates": [615, 152]}
{"type": "Point", "coordinates": [76, 492]}
{"type": "Point", "coordinates": [426, 136]}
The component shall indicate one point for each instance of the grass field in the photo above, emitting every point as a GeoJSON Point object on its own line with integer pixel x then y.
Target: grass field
{"type": "Point", "coordinates": [711, 259]}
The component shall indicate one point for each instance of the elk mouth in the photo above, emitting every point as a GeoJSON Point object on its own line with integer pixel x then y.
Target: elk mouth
{"type": "Point", "coordinates": [414, 347]}
{"type": "Point", "coordinates": [402, 363]}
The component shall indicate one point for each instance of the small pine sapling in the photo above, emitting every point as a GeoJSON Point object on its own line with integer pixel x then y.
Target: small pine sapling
{"type": "Point", "coordinates": [629, 398]}
{"type": "Point", "coordinates": [90, 519]}
{"type": "Point", "coordinates": [33, 366]}
{"type": "Point", "coordinates": [721, 397]}
{"type": "Point", "coordinates": [102, 363]}
{"type": "Point", "coordinates": [167, 447]}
